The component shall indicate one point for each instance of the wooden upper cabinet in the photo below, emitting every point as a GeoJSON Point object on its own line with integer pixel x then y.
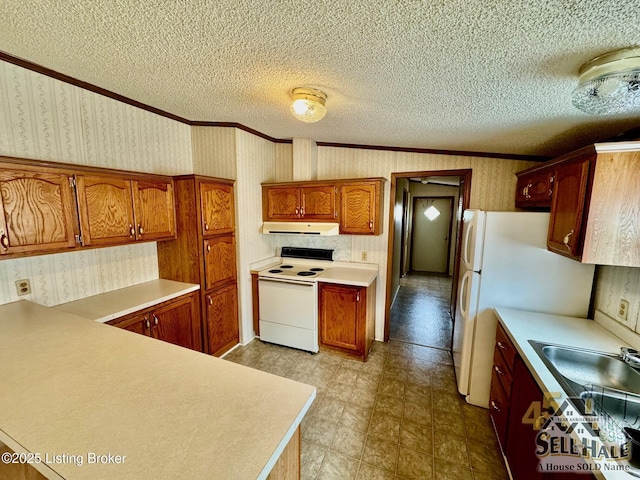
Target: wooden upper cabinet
{"type": "Point", "coordinates": [568, 208]}
{"type": "Point", "coordinates": [318, 203]}
{"type": "Point", "coordinates": [154, 209]}
{"type": "Point", "coordinates": [282, 203]}
{"type": "Point", "coordinates": [105, 205]}
{"type": "Point", "coordinates": [220, 261]}
{"type": "Point", "coordinates": [360, 212]}
{"type": "Point", "coordinates": [217, 208]}
{"type": "Point", "coordinates": [534, 189]}
{"type": "Point", "coordinates": [37, 211]}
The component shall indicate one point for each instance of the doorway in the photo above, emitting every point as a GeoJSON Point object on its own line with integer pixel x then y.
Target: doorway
{"type": "Point", "coordinates": [422, 257]}
{"type": "Point", "coordinates": [431, 234]}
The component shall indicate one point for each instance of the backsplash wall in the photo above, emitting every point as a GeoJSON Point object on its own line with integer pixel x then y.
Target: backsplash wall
{"type": "Point", "coordinates": [46, 119]}
{"type": "Point", "coordinates": [613, 284]}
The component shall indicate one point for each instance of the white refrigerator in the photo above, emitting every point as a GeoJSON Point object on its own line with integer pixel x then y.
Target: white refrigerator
{"type": "Point", "coordinates": [505, 263]}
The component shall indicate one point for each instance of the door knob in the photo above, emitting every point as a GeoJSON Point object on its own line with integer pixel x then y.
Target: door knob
{"type": "Point", "coordinates": [566, 239]}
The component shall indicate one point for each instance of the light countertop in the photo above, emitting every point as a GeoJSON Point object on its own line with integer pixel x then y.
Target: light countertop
{"type": "Point", "coordinates": [117, 303]}
{"type": "Point", "coordinates": [522, 326]}
{"type": "Point", "coordinates": [72, 386]}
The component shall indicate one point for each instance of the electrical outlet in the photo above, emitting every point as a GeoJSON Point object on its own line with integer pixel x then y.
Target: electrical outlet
{"type": "Point", "coordinates": [23, 287]}
{"type": "Point", "coordinates": [623, 309]}
{"type": "Point", "coordinates": [364, 255]}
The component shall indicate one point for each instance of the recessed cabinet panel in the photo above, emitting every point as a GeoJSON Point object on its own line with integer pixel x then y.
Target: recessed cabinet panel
{"type": "Point", "coordinates": [339, 322]}
{"type": "Point", "coordinates": [154, 210]}
{"type": "Point", "coordinates": [220, 261]}
{"type": "Point", "coordinates": [217, 208]}
{"type": "Point", "coordinates": [222, 319]}
{"type": "Point", "coordinates": [36, 211]}
{"type": "Point", "coordinates": [106, 210]}
{"type": "Point", "coordinates": [283, 203]}
{"type": "Point", "coordinates": [567, 210]}
{"type": "Point", "coordinates": [318, 203]}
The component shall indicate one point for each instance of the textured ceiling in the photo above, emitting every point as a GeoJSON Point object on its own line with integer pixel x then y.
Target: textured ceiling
{"type": "Point", "coordinates": [477, 75]}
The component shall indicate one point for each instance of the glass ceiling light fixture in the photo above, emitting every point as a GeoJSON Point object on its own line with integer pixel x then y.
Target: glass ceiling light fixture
{"type": "Point", "coordinates": [308, 104]}
{"type": "Point", "coordinates": [609, 83]}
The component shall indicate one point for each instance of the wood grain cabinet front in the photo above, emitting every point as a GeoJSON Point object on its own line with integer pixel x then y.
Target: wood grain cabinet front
{"type": "Point", "coordinates": [175, 321]}
{"type": "Point", "coordinates": [314, 203]}
{"type": "Point", "coordinates": [360, 209]}
{"type": "Point", "coordinates": [346, 318]}
{"type": "Point", "coordinates": [534, 189]}
{"type": "Point", "coordinates": [115, 210]}
{"type": "Point", "coordinates": [204, 253]}
{"type": "Point", "coordinates": [37, 210]}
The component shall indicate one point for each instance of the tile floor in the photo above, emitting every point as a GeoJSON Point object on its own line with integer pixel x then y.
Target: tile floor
{"type": "Point", "coordinates": [397, 416]}
{"type": "Point", "coordinates": [420, 313]}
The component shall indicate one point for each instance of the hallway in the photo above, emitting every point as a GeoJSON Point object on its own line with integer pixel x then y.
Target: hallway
{"type": "Point", "coordinates": [420, 313]}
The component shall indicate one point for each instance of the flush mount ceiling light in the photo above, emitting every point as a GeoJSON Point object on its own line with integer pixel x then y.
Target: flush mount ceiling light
{"type": "Point", "coordinates": [609, 83]}
{"type": "Point", "coordinates": [308, 104]}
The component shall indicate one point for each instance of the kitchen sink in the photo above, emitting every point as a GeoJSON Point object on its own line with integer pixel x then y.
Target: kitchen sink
{"type": "Point", "coordinates": [588, 368]}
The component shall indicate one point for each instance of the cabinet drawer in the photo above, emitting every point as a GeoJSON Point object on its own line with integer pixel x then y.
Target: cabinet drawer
{"type": "Point", "coordinates": [501, 371]}
{"type": "Point", "coordinates": [504, 345]}
{"type": "Point", "coordinates": [499, 409]}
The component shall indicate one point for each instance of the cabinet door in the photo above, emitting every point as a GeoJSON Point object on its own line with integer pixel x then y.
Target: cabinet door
{"type": "Point", "coordinates": [36, 211]}
{"type": "Point", "coordinates": [282, 203]}
{"type": "Point", "coordinates": [358, 212]}
{"type": "Point", "coordinates": [105, 205]}
{"type": "Point", "coordinates": [173, 323]}
{"type": "Point", "coordinates": [568, 209]}
{"type": "Point", "coordinates": [155, 213]}
{"type": "Point", "coordinates": [534, 190]}
{"type": "Point", "coordinates": [222, 319]}
{"type": "Point", "coordinates": [340, 323]}
{"type": "Point", "coordinates": [218, 214]}
{"type": "Point", "coordinates": [137, 323]}
{"type": "Point", "coordinates": [318, 203]}
{"type": "Point", "coordinates": [219, 261]}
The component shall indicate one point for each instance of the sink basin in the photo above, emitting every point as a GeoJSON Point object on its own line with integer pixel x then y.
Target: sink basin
{"type": "Point", "coordinates": [624, 409]}
{"type": "Point", "coordinates": [586, 367]}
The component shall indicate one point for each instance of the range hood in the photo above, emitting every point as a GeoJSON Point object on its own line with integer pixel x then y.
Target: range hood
{"type": "Point", "coordinates": [300, 228]}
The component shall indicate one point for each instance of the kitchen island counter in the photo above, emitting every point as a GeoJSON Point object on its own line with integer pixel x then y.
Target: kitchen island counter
{"type": "Point", "coordinates": [74, 387]}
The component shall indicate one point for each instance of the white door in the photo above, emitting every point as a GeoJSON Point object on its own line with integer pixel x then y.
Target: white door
{"type": "Point", "coordinates": [473, 222]}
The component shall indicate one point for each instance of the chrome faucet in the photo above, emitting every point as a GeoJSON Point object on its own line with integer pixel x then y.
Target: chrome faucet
{"type": "Point", "coordinates": [630, 356]}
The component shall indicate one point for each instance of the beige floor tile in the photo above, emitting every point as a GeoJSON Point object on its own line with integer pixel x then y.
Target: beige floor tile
{"type": "Point", "coordinates": [485, 458]}
{"type": "Point", "coordinates": [451, 471]}
{"type": "Point", "coordinates": [368, 472]}
{"type": "Point", "coordinates": [329, 408]}
{"type": "Point", "coordinates": [389, 405]}
{"type": "Point", "coordinates": [444, 422]}
{"type": "Point", "coordinates": [416, 436]}
{"type": "Point", "coordinates": [320, 431]}
{"type": "Point", "coordinates": [418, 414]}
{"type": "Point", "coordinates": [347, 376]}
{"type": "Point", "coordinates": [355, 417]}
{"type": "Point", "coordinates": [415, 464]}
{"type": "Point", "coordinates": [449, 447]}
{"type": "Point", "coordinates": [385, 426]}
{"type": "Point", "coordinates": [349, 442]}
{"type": "Point", "coordinates": [311, 457]}
{"type": "Point", "coordinates": [362, 399]}
{"type": "Point", "coordinates": [339, 391]}
{"type": "Point", "coordinates": [391, 386]}
{"type": "Point", "coordinates": [338, 467]}
{"type": "Point", "coordinates": [381, 453]}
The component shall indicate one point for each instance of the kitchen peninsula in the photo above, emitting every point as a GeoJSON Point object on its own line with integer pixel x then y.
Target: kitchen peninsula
{"type": "Point", "coordinates": [72, 387]}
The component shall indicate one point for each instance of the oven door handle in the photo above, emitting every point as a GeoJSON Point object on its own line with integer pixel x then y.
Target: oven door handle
{"type": "Point", "coordinates": [302, 283]}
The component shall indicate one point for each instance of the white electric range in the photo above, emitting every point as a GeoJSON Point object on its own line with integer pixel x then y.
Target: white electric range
{"type": "Point", "coordinates": [288, 296]}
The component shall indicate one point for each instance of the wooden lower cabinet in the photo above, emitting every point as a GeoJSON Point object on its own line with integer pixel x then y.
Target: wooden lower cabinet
{"type": "Point", "coordinates": [347, 317]}
{"type": "Point", "coordinates": [175, 321]}
{"type": "Point", "coordinates": [222, 331]}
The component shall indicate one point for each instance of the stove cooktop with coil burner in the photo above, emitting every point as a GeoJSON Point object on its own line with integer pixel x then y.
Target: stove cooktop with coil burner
{"type": "Point", "coordinates": [300, 263]}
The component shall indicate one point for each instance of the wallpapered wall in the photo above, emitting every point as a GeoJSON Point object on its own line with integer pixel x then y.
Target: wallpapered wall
{"type": "Point", "coordinates": [612, 284]}
{"type": "Point", "coordinates": [43, 118]}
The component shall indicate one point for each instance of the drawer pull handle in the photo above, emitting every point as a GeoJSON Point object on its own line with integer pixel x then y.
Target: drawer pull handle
{"type": "Point", "coordinates": [155, 320]}
{"type": "Point", "coordinates": [4, 240]}
{"type": "Point", "coordinates": [370, 224]}
{"type": "Point", "coordinates": [210, 301]}
{"type": "Point", "coordinates": [132, 231]}
{"type": "Point", "coordinates": [208, 248]}
{"type": "Point", "coordinates": [140, 230]}
{"type": "Point", "coordinates": [147, 324]}
{"type": "Point", "coordinates": [502, 346]}
{"type": "Point", "coordinates": [297, 211]}
{"type": "Point", "coordinates": [498, 371]}
{"type": "Point", "coordinates": [495, 406]}
{"type": "Point", "coordinates": [206, 226]}
{"type": "Point", "coordinates": [302, 211]}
